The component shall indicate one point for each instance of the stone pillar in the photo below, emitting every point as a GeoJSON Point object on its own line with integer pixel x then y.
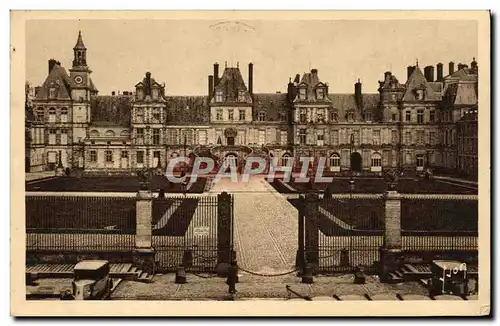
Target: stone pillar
{"type": "Point", "coordinates": [224, 233]}
{"type": "Point", "coordinates": [390, 253]}
{"type": "Point", "coordinates": [299, 259]}
{"type": "Point", "coordinates": [311, 212]}
{"type": "Point", "coordinates": [144, 253]}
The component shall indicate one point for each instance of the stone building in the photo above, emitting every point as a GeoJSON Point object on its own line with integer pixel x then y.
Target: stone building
{"type": "Point", "coordinates": [408, 125]}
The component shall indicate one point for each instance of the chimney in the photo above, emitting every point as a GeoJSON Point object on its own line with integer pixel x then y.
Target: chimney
{"type": "Point", "coordinates": [210, 85]}
{"type": "Point", "coordinates": [429, 73]}
{"type": "Point", "coordinates": [314, 71]}
{"type": "Point", "coordinates": [439, 68]}
{"type": "Point", "coordinates": [357, 94]}
{"type": "Point", "coordinates": [410, 70]}
{"type": "Point", "coordinates": [387, 74]}
{"type": "Point", "coordinates": [473, 64]}
{"type": "Point", "coordinates": [113, 93]}
{"type": "Point", "coordinates": [58, 63]}
{"type": "Point", "coordinates": [52, 63]}
{"type": "Point", "coordinates": [296, 81]}
{"type": "Point", "coordinates": [250, 78]}
{"type": "Point", "coordinates": [216, 74]}
{"type": "Point", "coordinates": [451, 67]}
{"type": "Point", "coordinates": [148, 83]}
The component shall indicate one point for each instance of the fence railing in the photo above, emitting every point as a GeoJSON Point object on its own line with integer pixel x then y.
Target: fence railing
{"type": "Point", "coordinates": [80, 223]}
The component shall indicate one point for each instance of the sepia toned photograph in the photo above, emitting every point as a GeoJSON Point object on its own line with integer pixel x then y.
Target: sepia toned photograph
{"type": "Point", "coordinates": [203, 158]}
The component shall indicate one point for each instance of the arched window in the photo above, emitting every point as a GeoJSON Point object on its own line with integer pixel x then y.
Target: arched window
{"type": "Point", "coordinates": [109, 133]}
{"type": "Point", "coordinates": [64, 115]}
{"type": "Point", "coordinates": [94, 133]}
{"type": "Point", "coordinates": [334, 162]}
{"type": "Point", "coordinates": [174, 155]}
{"type": "Point", "coordinates": [125, 133]}
{"type": "Point", "coordinates": [286, 160]}
{"type": "Point", "coordinates": [52, 115]}
{"type": "Point", "coordinates": [376, 162]}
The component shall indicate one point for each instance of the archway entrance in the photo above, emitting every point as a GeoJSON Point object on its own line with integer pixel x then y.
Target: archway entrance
{"type": "Point", "coordinates": [356, 162]}
{"type": "Point", "coordinates": [230, 160]}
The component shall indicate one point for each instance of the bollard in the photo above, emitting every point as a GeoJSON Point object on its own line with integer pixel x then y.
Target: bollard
{"type": "Point", "coordinates": [180, 275]}
{"type": "Point", "coordinates": [307, 276]}
{"type": "Point", "coordinates": [359, 276]}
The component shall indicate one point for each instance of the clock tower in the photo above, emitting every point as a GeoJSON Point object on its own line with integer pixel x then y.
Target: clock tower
{"type": "Point", "coordinates": [81, 84]}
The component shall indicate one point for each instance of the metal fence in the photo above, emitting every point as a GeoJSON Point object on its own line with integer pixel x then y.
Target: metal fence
{"type": "Point", "coordinates": [185, 233]}
{"type": "Point", "coordinates": [72, 223]}
{"type": "Point", "coordinates": [439, 223]}
{"type": "Point", "coordinates": [350, 232]}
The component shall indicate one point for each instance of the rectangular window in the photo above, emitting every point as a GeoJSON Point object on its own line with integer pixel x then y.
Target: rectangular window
{"type": "Point", "coordinates": [420, 116]}
{"type": "Point", "coordinates": [350, 116]}
{"type": "Point", "coordinates": [303, 116]}
{"type": "Point", "coordinates": [140, 157]}
{"type": "Point", "coordinates": [408, 137]}
{"type": "Point", "coordinates": [242, 115]}
{"type": "Point", "coordinates": [64, 115]}
{"type": "Point", "coordinates": [139, 116]}
{"type": "Point", "coordinates": [302, 136]}
{"type": "Point", "coordinates": [52, 137]}
{"type": "Point", "coordinates": [230, 113]}
{"type": "Point", "coordinates": [172, 137]}
{"type": "Point", "coordinates": [52, 115]}
{"type": "Point", "coordinates": [64, 136]}
{"type": "Point", "coordinates": [124, 154]}
{"type": "Point", "coordinates": [93, 156]}
{"type": "Point", "coordinates": [40, 114]}
{"type": "Point", "coordinates": [394, 136]}
{"type": "Point", "coordinates": [202, 137]}
{"type": "Point", "coordinates": [140, 133]}
{"type": "Point", "coordinates": [320, 116]}
{"type": "Point", "coordinates": [218, 114]}
{"type": "Point", "coordinates": [218, 96]}
{"type": "Point", "coordinates": [284, 137]}
{"type": "Point", "coordinates": [376, 137]}
{"type": "Point", "coordinates": [334, 116]}
{"type": "Point", "coordinates": [420, 137]}
{"type": "Point", "coordinates": [394, 117]}
{"type": "Point", "coordinates": [262, 137]}
{"type": "Point", "coordinates": [432, 116]}
{"type": "Point", "coordinates": [156, 115]}
{"type": "Point", "coordinates": [420, 161]}
{"type": "Point", "coordinates": [407, 116]}
{"type": "Point", "coordinates": [109, 156]}
{"type": "Point", "coordinates": [320, 138]}
{"type": "Point", "coordinates": [261, 116]}
{"type": "Point", "coordinates": [320, 93]}
{"type": "Point", "coordinates": [188, 134]}
{"type": "Point", "coordinates": [156, 136]}
{"type": "Point", "coordinates": [335, 137]}
{"type": "Point", "coordinates": [432, 137]}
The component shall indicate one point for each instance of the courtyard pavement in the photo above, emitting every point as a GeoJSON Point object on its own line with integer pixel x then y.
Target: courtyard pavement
{"type": "Point", "coordinates": [39, 175]}
{"type": "Point", "coordinates": [265, 227]}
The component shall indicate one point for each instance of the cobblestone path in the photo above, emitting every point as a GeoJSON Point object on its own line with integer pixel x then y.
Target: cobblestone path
{"type": "Point", "coordinates": [265, 232]}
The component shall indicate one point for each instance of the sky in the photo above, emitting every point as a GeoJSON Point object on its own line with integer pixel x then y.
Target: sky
{"type": "Point", "coordinates": [181, 53]}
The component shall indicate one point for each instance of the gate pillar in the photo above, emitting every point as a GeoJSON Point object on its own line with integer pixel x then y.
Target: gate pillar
{"type": "Point", "coordinates": [311, 214]}
{"type": "Point", "coordinates": [224, 233]}
{"type": "Point", "coordinates": [144, 253]}
{"type": "Point", "coordinates": [390, 252]}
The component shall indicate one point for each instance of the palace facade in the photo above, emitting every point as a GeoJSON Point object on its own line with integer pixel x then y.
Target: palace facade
{"type": "Point", "coordinates": [408, 125]}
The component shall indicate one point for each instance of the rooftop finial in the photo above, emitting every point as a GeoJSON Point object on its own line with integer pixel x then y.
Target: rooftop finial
{"type": "Point", "coordinates": [237, 64]}
{"type": "Point", "coordinates": [417, 62]}
{"type": "Point", "coordinates": [358, 80]}
{"type": "Point", "coordinates": [225, 64]}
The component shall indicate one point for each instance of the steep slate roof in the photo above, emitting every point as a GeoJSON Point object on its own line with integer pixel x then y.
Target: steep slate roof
{"type": "Point", "coordinates": [344, 102]}
{"type": "Point", "coordinates": [465, 74]}
{"type": "Point", "coordinates": [92, 86]}
{"type": "Point", "coordinates": [273, 104]}
{"type": "Point", "coordinates": [231, 83]}
{"type": "Point", "coordinates": [461, 94]}
{"type": "Point", "coordinates": [418, 81]}
{"type": "Point", "coordinates": [111, 110]}
{"type": "Point", "coordinates": [185, 110]}
{"type": "Point", "coordinates": [79, 42]}
{"type": "Point", "coordinates": [57, 77]}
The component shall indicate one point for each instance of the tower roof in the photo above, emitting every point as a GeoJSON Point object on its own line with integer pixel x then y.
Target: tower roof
{"type": "Point", "coordinates": [79, 43]}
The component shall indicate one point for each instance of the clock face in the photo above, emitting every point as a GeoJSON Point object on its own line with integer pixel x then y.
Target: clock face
{"type": "Point", "coordinates": [78, 79]}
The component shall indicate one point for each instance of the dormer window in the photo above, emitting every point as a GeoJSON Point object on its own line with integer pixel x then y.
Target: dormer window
{"type": "Point", "coordinates": [52, 92]}
{"type": "Point", "coordinates": [218, 96]}
{"type": "Point", "coordinates": [241, 96]}
{"type": "Point", "coordinates": [261, 116]}
{"type": "Point", "coordinates": [140, 94]}
{"type": "Point", "coordinates": [302, 93]}
{"type": "Point", "coordinates": [368, 116]}
{"type": "Point", "coordinates": [420, 94]}
{"type": "Point", "coordinates": [334, 116]}
{"type": "Point", "coordinates": [320, 93]}
{"type": "Point", "coordinates": [350, 116]}
{"type": "Point", "coordinates": [155, 93]}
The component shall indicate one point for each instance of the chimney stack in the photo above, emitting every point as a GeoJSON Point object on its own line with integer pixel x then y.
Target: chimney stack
{"type": "Point", "coordinates": [451, 67]}
{"type": "Point", "coordinates": [410, 70]}
{"type": "Point", "coordinates": [216, 74]}
{"type": "Point", "coordinates": [357, 94]}
{"type": "Point", "coordinates": [439, 68]}
{"type": "Point", "coordinates": [429, 73]}
{"type": "Point", "coordinates": [52, 63]}
{"type": "Point", "coordinates": [113, 93]}
{"type": "Point", "coordinates": [210, 85]}
{"type": "Point", "coordinates": [148, 83]}
{"type": "Point", "coordinates": [250, 78]}
{"type": "Point", "coordinates": [387, 74]}
{"type": "Point", "coordinates": [473, 64]}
